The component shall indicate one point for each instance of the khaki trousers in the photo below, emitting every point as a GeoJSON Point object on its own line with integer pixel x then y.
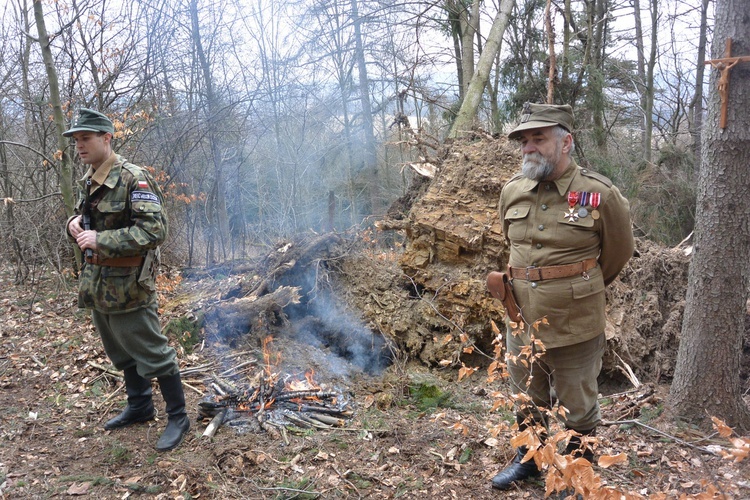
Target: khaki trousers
{"type": "Point", "coordinates": [134, 339]}
{"type": "Point", "coordinates": [567, 374]}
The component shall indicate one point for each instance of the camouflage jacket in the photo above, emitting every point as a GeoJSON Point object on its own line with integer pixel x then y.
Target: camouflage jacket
{"type": "Point", "coordinates": [128, 216]}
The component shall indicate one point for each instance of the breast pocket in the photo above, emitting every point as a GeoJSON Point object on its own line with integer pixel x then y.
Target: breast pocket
{"type": "Point", "coordinates": [111, 206]}
{"type": "Point", "coordinates": [517, 217]}
{"type": "Point", "coordinates": [576, 233]}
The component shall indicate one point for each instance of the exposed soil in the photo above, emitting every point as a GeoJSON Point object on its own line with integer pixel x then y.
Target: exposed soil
{"type": "Point", "coordinates": [422, 427]}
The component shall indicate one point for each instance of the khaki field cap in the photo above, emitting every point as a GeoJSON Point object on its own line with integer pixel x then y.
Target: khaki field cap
{"type": "Point", "coordinates": [88, 120]}
{"type": "Point", "coordinates": [543, 115]}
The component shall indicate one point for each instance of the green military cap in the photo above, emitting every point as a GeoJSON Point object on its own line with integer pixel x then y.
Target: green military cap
{"type": "Point", "coordinates": [88, 120]}
{"type": "Point", "coordinates": [543, 115]}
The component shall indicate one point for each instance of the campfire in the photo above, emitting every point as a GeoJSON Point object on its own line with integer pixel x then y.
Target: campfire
{"type": "Point", "coordinates": [273, 402]}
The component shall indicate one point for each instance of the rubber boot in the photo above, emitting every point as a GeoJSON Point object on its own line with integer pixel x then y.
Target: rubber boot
{"type": "Point", "coordinates": [178, 423]}
{"type": "Point", "coordinates": [140, 407]}
{"type": "Point", "coordinates": [516, 471]}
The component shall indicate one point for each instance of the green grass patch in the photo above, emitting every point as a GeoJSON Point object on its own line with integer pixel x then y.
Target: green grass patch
{"type": "Point", "coordinates": [361, 483]}
{"type": "Point", "coordinates": [186, 331]}
{"type": "Point", "coordinates": [649, 413]}
{"type": "Point", "coordinates": [296, 489]}
{"type": "Point", "coordinates": [81, 478]}
{"type": "Point", "coordinates": [428, 396]}
{"type": "Point", "coordinates": [118, 454]}
{"type": "Point", "coordinates": [465, 455]}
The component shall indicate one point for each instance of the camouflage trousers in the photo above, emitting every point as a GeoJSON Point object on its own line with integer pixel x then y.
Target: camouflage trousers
{"type": "Point", "coordinates": [134, 339]}
{"type": "Point", "coordinates": [567, 375]}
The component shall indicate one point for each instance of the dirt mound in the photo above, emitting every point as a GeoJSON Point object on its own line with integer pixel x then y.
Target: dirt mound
{"type": "Point", "coordinates": [453, 238]}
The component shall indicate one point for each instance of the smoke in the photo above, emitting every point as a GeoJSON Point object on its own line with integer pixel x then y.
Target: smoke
{"type": "Point", "coordinates": [322, 321]}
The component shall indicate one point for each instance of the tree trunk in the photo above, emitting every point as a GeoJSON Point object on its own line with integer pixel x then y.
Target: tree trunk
{"type": "Point", "coordinates": [641, 67]}
{"type": "Point", "coordinates": [565, 67]}
{"type": "Point", "coordinates": [66, 167]}
{"type": "Point", "coordinates": [696, 105]}
{"type": "Point", "coordinates": [218, 219]}
{"type": "Point", "coordinates": [552, 73]}
{"type": "Point", "coordinates": [648, 88]}
{"type": "Point", "coordinates": [597, 15]}
{"type": "Point", "coordinates": [474, 94]}
{"type": "Point", "coordinates": [469, 24]}
{"type": "Point", "coordinates": [706, 381]}
{"type": "Point", "coordinates": [371, 155]}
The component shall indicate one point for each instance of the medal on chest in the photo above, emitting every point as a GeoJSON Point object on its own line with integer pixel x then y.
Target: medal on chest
{"type": "Point", "coordinates": [571, 214]}
{"type": "Point", "coordinates": [596, 199]}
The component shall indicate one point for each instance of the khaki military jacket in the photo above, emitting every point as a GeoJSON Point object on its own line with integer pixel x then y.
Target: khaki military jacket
{"type": "Point", "coordinates": [129, 218]}
{"type": "Point", "coordinates": [540, 231]}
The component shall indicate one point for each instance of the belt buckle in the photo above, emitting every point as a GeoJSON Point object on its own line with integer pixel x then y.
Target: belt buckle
{"type": "Point", "coordinates": [528, 277]}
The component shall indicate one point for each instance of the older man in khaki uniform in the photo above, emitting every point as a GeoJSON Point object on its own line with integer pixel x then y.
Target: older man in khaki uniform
{"type": "Point", "coordinates": [569, 234]}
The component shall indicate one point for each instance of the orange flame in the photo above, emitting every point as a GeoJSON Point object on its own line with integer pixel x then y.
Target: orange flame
{"type": "Point", "coordinates": [310, 377]}
{"type": "Point", "coordinates": [306, 384]}
{"type": "Point", "coordinates": [268, 364]}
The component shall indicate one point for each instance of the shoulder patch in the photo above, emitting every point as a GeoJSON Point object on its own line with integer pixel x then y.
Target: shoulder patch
{"type": "Point", "coordinates": [136, 196]}
{"type": "Point", "coordinates": [596, 175]}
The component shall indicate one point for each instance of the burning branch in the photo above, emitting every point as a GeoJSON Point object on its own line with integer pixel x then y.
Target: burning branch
{"type": "Point", "coordinates": [273, 404]}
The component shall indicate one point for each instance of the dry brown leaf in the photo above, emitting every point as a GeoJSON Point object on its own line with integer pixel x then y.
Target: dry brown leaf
{"type": "Point", "coordinates": [495, 329]}
{"type": "Point", "coordinates": [606, 461]}
{"type": "Point", "coordinates": [723, 429]}
{"type": "Point", "coordinates": [466, 371]}
{"type": "Point", "coordinates": [78, 489]}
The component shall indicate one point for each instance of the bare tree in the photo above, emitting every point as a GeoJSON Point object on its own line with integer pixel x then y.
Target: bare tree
{"type": "Point", "coordinates": [66, 170]}
{"type": "Point", "coordinates": [696, 105]}
{"type": "Point", "coordinates": [468, 110]}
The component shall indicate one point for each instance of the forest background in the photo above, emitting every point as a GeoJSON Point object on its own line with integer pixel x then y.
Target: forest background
{"type": "Point", "coordinates": [264, 118]}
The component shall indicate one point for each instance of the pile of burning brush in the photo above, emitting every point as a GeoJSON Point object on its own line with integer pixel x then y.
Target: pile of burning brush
{"type": "Point", "coordinates": [273, 403]}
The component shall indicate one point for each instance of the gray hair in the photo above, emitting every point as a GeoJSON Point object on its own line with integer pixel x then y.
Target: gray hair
{"type": "Point", "coordinates": [560, 133]}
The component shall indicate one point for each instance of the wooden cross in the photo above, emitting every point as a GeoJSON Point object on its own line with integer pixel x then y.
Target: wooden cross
{"type": "Point", "coordinates": [725, 64]}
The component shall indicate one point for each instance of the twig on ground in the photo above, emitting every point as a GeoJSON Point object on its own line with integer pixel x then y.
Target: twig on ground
{"type": "Point", "coordinates": [702, 449]}
{"type": "Point", "coordinates": [215, 423]}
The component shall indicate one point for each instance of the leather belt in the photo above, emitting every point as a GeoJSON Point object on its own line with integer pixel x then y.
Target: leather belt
{"type": "Point", "coordinates": [551, 272]}
{"type": "Point", "coordinates": [134, 261]}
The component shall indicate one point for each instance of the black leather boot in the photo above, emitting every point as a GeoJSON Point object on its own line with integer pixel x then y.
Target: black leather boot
{"type": "Point", "coordinates": [576, 449]}
{"type": "Point", "coordinates": [516, 471]}
{"type": "Point", "coordinates": [178, 423]}
{"type": "Point", "coordinates": [140, 407]}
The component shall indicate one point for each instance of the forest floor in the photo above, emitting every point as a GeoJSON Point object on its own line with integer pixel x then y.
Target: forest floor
{"type": "Point", "coordinates": [417, 431]}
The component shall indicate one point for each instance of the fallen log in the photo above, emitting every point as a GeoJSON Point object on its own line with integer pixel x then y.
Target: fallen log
{"type": "Point", "coordinates": [237, 317]}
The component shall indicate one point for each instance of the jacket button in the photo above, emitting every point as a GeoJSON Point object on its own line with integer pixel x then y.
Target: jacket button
{"type": "Point", "coordinates": [541, 227]}
{"type": "Point", "coordinates": [544, 207]}
{"type": "Point", "coordinates": [539, 245]}
{"type": "Point", "coordinates": [533, 284]}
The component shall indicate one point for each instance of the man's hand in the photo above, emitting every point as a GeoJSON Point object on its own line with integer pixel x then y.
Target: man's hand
{"type": "Point", "coordinates": [75, 227]}
{"type": "Point", "coordinates": [85, 239]}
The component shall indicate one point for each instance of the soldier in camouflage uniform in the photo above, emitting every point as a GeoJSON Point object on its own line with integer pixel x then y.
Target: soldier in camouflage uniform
{"type": "Point", "coordinates": [569, 234]}
{"type": "Point", "coordinates": [118, 279]}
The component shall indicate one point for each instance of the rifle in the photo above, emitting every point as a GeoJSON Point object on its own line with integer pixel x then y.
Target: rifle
{"type": "Point", "coordinates": [86, 215]}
